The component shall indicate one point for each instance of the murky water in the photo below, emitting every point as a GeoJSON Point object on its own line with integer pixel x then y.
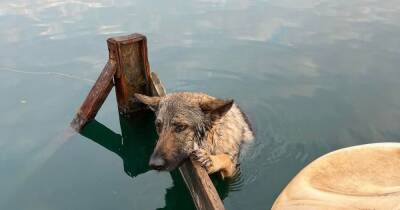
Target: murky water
{"type": "Point", "coordinates": [313, 75]}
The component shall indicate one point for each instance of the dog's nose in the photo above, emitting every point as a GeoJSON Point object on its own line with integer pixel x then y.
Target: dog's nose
{"type": "Point", "coordinates": [157, 163]}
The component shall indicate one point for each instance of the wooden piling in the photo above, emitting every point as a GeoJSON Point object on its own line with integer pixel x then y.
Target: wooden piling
{"type": "Point", "coordinates": [133, 72]}
{"type": "Point", "coordinates": [129, 70]}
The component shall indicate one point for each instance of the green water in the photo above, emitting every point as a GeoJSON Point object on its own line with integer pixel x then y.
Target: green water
{"type": "Point", "coordinates": [313, 76]}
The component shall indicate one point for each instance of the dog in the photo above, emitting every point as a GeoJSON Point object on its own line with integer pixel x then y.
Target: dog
{"type": "Point", "coordinates": [198, 126]}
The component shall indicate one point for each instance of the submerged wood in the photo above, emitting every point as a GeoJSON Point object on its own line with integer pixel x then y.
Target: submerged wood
{"type": "Point", "coordinates": [96, 97]}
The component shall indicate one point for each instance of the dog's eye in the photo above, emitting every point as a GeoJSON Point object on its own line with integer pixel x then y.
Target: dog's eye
{"type": "Point", "coordinates": [180, 127]}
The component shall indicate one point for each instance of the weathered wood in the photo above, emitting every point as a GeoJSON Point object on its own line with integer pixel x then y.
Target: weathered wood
{"type": "Point", "coordinates": [157, 89]}
{"type": "Point", "coordinates": [96, 97]}
{"type": "Point", "coordinates": [133, 71]}
{"type": "Point", "coordinates": [201, 188]}
{"type": "Point", "coordinates": [203, 192]}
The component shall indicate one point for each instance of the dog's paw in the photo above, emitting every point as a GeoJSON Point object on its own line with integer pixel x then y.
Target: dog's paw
{"type": "Point", "coordinates": [204, 158]}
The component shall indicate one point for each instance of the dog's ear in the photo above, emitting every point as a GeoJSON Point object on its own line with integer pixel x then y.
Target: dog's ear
{"type": "Point", "coordinates": [152, 102]}
{"type": "Point", "coordinates": [216, 108]}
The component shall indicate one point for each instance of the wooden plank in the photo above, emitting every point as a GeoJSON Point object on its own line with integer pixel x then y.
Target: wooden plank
{"type": "Point", "coordinates": [96, 97]}
{"type": "Point", "coordinates": [157, 89]}
{"type": "Point", "coordinates": [200, 186]}
{"type": "Point", "coordinates": [133, 70]}
{"type": "Point", "coordinates": [203, 192]}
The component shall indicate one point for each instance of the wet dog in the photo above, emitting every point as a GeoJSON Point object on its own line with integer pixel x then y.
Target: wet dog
{"type": "Point", "coordinates": [199, 126]}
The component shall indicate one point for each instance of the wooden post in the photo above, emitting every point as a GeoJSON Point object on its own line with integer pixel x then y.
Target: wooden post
{"type": "Point", "coordinates": [133, 72]}
{"type": "Point", "coordinates": [129, 67]}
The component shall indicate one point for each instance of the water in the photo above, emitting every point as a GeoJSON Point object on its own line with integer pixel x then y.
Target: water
{"type": "Point", "coordinates": [313, 75]}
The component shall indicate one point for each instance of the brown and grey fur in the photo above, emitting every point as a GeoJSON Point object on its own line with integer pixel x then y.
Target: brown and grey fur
{"type": "Point", "coordinates": [199, 126]}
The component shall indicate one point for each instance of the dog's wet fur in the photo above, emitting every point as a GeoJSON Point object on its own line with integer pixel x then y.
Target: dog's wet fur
{"type": "Point", "coordinates": [199, 126]}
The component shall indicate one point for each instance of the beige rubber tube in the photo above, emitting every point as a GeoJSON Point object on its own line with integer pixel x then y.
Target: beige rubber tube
{"type": "Point", "coordinates": [358, 177]}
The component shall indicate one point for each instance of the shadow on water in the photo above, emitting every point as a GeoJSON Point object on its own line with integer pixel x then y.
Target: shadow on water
{"type": "Point", "coordinates": [135, 146]}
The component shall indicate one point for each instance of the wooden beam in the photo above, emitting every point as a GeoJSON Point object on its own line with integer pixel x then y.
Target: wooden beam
{"type": "Point", "coordinates": [96, 97]}
{"type": "Point", "coordinates": [157, 89]}
{"type": "Point", "coordinates": [203, 192]}
{"type": "Point", "coordinates": [199, 184]}
{"type": "Point", "coordinates": [133, 71]}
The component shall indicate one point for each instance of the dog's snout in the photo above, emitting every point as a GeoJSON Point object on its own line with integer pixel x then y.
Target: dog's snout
{"type": "Point", "coordinates": [157, 163]}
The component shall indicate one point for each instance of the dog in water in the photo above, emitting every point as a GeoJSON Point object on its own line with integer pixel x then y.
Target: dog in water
{"type": "Point", "coordinates": [196, 125]}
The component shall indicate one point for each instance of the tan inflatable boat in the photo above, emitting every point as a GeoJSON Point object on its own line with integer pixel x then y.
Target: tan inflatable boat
{"type": "Point", "coordinates": [361, 177]}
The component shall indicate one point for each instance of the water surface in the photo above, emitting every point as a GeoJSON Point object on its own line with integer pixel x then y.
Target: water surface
{"type": "Point", "coordinates": [313, 76]}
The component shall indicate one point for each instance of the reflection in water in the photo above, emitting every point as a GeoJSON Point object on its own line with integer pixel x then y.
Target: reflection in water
{"type": "Point", "coordinates": [135, 147]}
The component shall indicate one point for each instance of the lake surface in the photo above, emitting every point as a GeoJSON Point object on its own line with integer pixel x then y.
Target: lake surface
{"type": "Point", "coordinates": [313, 76]}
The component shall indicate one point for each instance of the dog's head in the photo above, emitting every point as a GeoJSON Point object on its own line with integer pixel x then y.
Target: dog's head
{"type": "Point", "coordinates": [182, 120]}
